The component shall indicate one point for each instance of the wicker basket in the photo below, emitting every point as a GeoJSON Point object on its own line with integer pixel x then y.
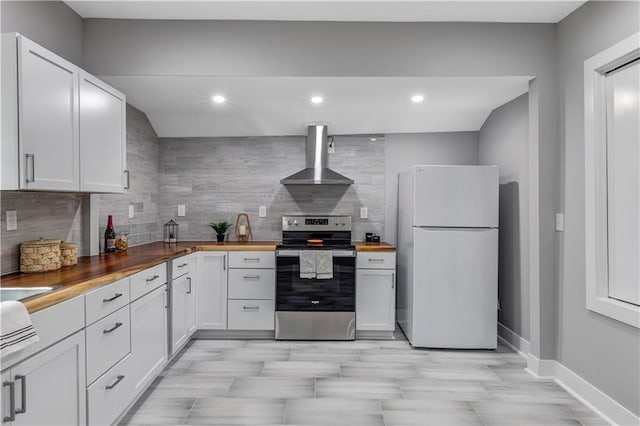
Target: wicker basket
{"type": "Point", "coordinates": [68, 254]}
{"type": "Point", "coordinates": [40, 255]}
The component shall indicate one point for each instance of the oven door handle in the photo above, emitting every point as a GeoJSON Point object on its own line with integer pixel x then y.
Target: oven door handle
{"type": "Point", "coordinates": [335, 253]}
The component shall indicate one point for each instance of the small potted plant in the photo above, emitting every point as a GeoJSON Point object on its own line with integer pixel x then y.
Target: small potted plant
{"type": "Point", "coordinates": [221, 228]}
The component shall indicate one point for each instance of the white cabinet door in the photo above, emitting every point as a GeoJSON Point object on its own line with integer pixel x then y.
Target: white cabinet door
{"type": "Point", "coordinates": [212, 291]}
{"type": "Point", "coordinates": [375, 299]}
{"type": "Point", "coordinates": [179, 289]}
{"type": "Point", "coordinates": [50, 386]}
{"type": "Point", "coordinates": [103, 141]}
{"type": "Point", "coordinates": [48, 124]}
{"type": "Point", "coordinates": [148, 337]}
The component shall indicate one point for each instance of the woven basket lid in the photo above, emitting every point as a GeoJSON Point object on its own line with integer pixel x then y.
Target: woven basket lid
{"type": "Point", "coordinates": [64, 245]}
{"type": "Point", "coordinates": [41, 242]}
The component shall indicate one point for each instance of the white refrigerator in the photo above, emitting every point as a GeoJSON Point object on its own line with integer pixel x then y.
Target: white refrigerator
{"type": "Point", "coordinates": [448, 256]}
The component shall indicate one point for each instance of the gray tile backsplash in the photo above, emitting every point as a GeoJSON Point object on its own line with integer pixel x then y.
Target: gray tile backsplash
{"type": "Point", "coordinates": [142, 162]}
{"type": "Point", "coordinates": [217, 178]}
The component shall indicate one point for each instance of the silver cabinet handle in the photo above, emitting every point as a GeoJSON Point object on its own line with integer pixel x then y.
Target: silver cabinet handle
{"type": "Point", "coordinates": [376, 260]}
{"type": "Point", "coordinates": [182, 265]}
{"type": "Point", "coordinates": [251, 277]}
{"type": "Point", "coordinates": [224, 262]}
{"type": "Point", "coordinates": [114, 328]}
{"type": "Point", "coordinates": [252, 259]}
{"type": "Point", "coordinates": [12, 401]}
{"type": "Point", "coordinates": [189, 281]}
{"type": "Point", "coordinates": [155, 277]}
{"type": "Point", "coordinates": [23, 394]}
{"type": "Point", "coordinates": [251, 308]}
{"type": "Point", "coordinates": [31, 157]}
{"type": "Point", "coordinates": [393, 280]}
{"type": "Point", "coordinates": [112, 299]}
{"type": "Point", "coordinates": [128, 184]}
{"type": "Point", "coordinates": [119, 379]}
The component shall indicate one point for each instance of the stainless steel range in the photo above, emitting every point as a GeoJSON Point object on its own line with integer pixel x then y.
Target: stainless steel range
{"type": "Point", "coordinates": [316, 279]}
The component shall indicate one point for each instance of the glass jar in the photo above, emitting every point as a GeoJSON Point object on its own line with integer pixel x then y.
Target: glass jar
{"type": "Point", "coordinates": [122, 241]}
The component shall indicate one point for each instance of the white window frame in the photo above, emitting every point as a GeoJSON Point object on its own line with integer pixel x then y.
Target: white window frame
{"type": "Point", "coordinates": [595, 138]}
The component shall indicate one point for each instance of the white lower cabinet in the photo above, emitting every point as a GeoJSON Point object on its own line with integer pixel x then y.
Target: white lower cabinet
{"type": "Point", "coordinates": [251, 314]}
{"type": "Point", "coordinates": [183, 301]}
{"type": "Point", "coordinates": [48, 388]}
{"type": "Point", "coordinates": [111, 394]}
{"type": "Point", "coordinates": [148, 337]}
{"type": "Point", "coordinates": [108, 341]}
{"type": "Point", "coordinates": [376, 292]}
{"type": "Point", "coordinates": [211, 305]}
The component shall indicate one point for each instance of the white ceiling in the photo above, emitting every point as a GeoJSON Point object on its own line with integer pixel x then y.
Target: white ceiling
{"type": "Point", "coordinates": [181, 106]}
{"type": "Point", "coordinates": [549, 11]}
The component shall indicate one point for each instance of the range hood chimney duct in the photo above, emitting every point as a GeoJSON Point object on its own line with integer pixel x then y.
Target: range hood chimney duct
{"type": "Point", "coordinates": [317, 171]}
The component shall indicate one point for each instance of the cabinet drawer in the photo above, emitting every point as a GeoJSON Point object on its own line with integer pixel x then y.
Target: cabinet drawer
{"type": "Point", "coordinates": [101, 302]}
{"type": "Point", "coordinates": [251, 315]}
{"type": "Point", "coordinates": [110, 394]}
{"type": "Point", "coordinates": [145, 281]}
{"type": "Point", "coordinates": [376, 260]}
{"type": "Point", "coordinates": [252, 284]}
{"type": "Point", "coordinates": [180, 266]}
{"type": "Point", "coordinates": [108, 341]}
{"type": "Point", "coordinates": [252, 259]}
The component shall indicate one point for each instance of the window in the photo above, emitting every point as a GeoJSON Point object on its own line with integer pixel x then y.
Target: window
{"type": "Point", "coordinates": [612, 172]}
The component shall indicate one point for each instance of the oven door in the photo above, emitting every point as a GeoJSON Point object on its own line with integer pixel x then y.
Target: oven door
{"type": "Point", "coordinates": [337, 294]}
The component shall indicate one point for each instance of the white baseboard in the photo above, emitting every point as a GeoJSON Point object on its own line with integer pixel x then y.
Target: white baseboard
{"type": "Point", "coordinates": [601, 403]}
{"type": "Point", "coordinates": [512, 339]}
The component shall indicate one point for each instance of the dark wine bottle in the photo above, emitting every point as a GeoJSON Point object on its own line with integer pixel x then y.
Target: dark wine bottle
{"type": "Point", "coordinates": [109, 237]}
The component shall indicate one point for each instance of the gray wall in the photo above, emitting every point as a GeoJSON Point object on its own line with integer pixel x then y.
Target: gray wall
{"type": "Point", "coordinates": [601, 350]}
{"type": "Point", "coordinates": [143, 157]}
{"type": "Point", "coordinates": [217, 178]}
{"type": "Point", "coordinates": [409, 149]}
{"type": "Point", "coordinates": [236, 48]}
{"type": "Point", "coordinates": [51, 24]}
{"type": "Point", "coordinates": [503, 141]}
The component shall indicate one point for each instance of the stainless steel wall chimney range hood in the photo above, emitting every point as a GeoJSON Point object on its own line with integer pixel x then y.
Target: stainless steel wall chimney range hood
{"type": "Point", "coordinates": [317, 171]}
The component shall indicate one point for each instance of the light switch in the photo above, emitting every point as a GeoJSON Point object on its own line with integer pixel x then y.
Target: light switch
{"type": "Point", "coordinates": [131, 211]}
{"type": "Point", "coordinates": [12, 220]}
{"type": "Point", "coordinates": [181, 209]}
{"type": "Point", "coordinates": [262, 211]}
{"type": "Point", "coordinates": [559, 222]}
{"type": "Point", "coordinates": [364, 213]}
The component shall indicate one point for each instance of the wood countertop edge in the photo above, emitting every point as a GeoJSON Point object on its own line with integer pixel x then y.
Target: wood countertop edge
{"type": "Point", "coordinates": [70, 291]}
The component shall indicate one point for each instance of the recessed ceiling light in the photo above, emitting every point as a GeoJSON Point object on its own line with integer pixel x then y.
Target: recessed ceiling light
{"type": "Point", "coordinates": [316, 99]}
{"type": "Point", "coordinates": [219, 99]}
{"type": "Point", "coordinates": [417, 98]}
{"type": "Point", "coordinates": [373, 139]}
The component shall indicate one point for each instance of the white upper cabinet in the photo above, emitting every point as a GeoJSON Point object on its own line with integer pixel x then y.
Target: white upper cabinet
{"type": "Point", "coordinates": [62, 129]}
{"type": "Point", "coordinates": [47, 117]}
{"type": "Point", "coordinates": [103, 141]}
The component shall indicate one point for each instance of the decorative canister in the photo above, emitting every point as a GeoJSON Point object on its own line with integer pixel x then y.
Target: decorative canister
{"type": "Point", "coordinates": [40, 255]}
{"type": "Point", "coordinates": [68, 254]}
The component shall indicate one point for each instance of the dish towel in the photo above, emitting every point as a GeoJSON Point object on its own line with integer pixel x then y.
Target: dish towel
{"type": "Point", "coordinates": [324, 264]}
{"type": "Point", "coordinates": [307, 264]}
{"type": "Point", "coordinates": [16, 329]}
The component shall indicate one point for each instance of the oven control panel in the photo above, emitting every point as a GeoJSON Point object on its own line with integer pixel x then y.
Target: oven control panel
{"type": "Point", "coordinates": [316, 223]}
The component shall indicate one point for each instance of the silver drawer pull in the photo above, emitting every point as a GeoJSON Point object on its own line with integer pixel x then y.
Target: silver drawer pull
{"type": "Point", "coordinates": [108, 387]}
{"type": "Point", "coordinates": [315, 302]}
{"type": "Point", "coordinates": [252, 259]}
{"type": "Point", "coordinates": [112, 299]}
{"type": "Point", "coordinates": [376, 260]}
{"type": "Point", "coordinates": [251, 308]}
{"type": "Point", "coordinates": [12, 401]}
{"type": "Point", "coordinates": [31, 157]}
{"type": "Point", "coordinates": [251, 277]}
{"type": "Point", "coordinates": [23, 393]}
{"type": "Point", "coordinates": [115, 327]}
{"type": "Point", "coordinates": [182, 265]}
{"type": "Point", "coordinates": [155, 277]}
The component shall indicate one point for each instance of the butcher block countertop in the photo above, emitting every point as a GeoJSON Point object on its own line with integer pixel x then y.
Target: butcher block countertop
{"type": "Point", "coordinates": [94, 271]}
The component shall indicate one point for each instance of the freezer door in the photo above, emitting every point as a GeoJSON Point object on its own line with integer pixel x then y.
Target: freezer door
{"type": "Point", "coordinates": [455, 288]}
{"type": "Point", "coordinates": [456, 196]}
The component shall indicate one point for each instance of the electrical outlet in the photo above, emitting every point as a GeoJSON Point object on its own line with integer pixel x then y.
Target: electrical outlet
{"type": "Point", "coordinates": [364, 213]}
{"type": "Point", "coordinates": [12, 220]}
{"type": "Point", "coordinates": [262, 211]}
{"type": "Point", "coordinates": [559, 222]}
{"type": "Point", "coordinates": [132, 212]}
{"type": "Point", "coordinates": [182, 210]}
